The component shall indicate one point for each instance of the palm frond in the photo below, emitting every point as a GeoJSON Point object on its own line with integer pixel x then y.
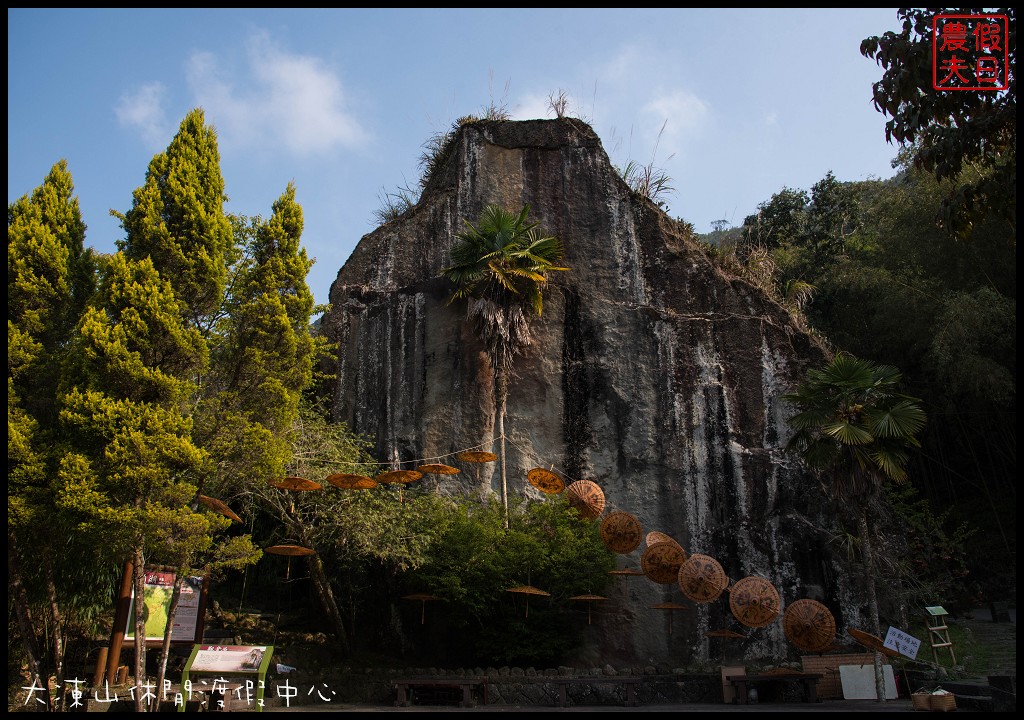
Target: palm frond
{"type": "Point", "coordinates": [503, 256]}
{"type": "Point", "coordinates": [528, 274]}
{"type": "Point", "coordinates": [852, 419]}
{"type": "Point", "coordinates": [892, 463]}
{"type": "Point", "coordinates": [499, 274]}
{"type": "Point", "coordinates": [848, 433]}
{"type": "Point", "coordinates": [821, 455]}
{"type": "Point", "coordinates": [904, 419]}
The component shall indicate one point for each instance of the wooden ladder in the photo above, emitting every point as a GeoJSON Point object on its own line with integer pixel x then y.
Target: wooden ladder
{"type": "Point", "coordinates": [938, 633]}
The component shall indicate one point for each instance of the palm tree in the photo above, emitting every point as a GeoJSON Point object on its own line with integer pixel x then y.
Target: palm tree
{"type": "Point", "coordinates": [500, 265]}
{"type": "Point", "coordinates": [856, 428]}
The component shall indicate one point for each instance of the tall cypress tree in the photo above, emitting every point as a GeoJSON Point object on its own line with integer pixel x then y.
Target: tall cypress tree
{"type": "Point", "coordinates": [131, 459]}
{"type": "Point", "coordinates": [261, 350]}
{"type": "Point", "coordinates": [49, 275]}
{"type": "Point", "coordinates": [263, 360]}
{"type": "Point", "coordinates": [177, 219]}
{"type": "Point", "coordinates": [177, 227]}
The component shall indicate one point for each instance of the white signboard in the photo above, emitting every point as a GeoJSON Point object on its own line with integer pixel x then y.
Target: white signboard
{"type": "Point", "coordinates": [859, 682]}
{"type": "Point", "coordinates": [229, 658]}
{"type": "Point", "coordinates": [903, 643]}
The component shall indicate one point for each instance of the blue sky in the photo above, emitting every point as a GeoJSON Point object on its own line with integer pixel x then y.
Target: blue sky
{"type": "Point", "coordinates": [733, 105]}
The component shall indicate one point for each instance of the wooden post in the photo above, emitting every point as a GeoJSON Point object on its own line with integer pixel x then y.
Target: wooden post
{"type": "Point", "coordinates": [124, 602]}
{"type": "Point", "coordinates": [101, 667]}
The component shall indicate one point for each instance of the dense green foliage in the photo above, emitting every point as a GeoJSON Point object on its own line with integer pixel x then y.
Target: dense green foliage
{"type": "Point", "coordinates": [853, 421]}
{"type": "Point", "coordinates": [960, 163]}
{"type": "Point", "coordinates": [159, 370]}
{"type": "Point", "coordinates": [49, 277]}
{"type": "Point", "coordinates": [177, 219]}
{"type": "Point", "coordinates": [919, 272]}
{"type": "Point", "coordinates": [930, 554]}
{"type": "Point", "coordinates": [892, 286]}
{"type": "Point", "coordinates": [969, 136]}
{"type": "Point", "coordinates": [855, 428]}
{"type": "Point", "coordinates": [473, 561]}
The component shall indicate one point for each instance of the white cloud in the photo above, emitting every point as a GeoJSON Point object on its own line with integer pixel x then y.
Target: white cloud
{"type": "Point", "coordinates": [624, 65]}
{"type": "Point", "coordinates": [633, 113]}
{"type": "Point", "coordinates": [286, 100]}
{"type": "Point", "coordinates": [142, 108]}
{"type": "Point", "coordinates": [680, 112]}
{"type": "Point", "coordinates": [532, 107]}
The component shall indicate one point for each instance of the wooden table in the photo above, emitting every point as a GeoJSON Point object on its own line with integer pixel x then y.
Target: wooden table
{"type": "Point", "coordinates": [405, 686]}
{"type": "Point", "coordinates": [743, 682]}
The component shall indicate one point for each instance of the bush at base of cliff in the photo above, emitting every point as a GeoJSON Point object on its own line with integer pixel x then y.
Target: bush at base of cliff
{"type": "Point", "coordinates": [476, 561]}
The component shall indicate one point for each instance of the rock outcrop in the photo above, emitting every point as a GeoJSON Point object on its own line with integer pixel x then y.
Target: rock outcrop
{"type": "Point", "coordinates": [652, 372]}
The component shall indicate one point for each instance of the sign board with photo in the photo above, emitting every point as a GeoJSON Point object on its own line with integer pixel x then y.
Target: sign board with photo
{"type": "Point", "coordinates": [228, 660]}
{"type": "Point", "coordinates": [232, 659]}
{"type": "Point", "coordinates": [159, 586]}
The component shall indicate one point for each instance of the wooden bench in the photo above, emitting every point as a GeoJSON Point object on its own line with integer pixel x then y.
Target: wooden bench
{"type": "Point", "coordinates": [407, 686]}
{"type": "Point", "coordinates": [563, 684]}
{"type": "Point", "coordinates": [808, 680]}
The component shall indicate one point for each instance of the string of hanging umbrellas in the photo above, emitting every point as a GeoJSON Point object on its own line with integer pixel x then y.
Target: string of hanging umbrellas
{"type": "Point", "coordinates": [753, 600]}
{"type": "Point", "coordinates": [354, 481]}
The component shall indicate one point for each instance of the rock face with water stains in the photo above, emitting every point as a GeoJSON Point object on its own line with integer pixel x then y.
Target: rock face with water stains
{"type": "Point", "coordinates": [652, 372]}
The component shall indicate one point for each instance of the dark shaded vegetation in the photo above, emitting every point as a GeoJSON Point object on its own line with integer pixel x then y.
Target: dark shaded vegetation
{"type": "Point", "coordinates": [869, 269]}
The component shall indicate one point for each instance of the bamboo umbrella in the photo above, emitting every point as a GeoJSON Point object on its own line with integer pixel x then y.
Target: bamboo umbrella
{"type": "Point", "coordinates": [403, 477]}
{"type": "Point", "coordinates": [872, 642]}
{"type": "Point", "coordinates": [296, 483]}
{"type": "Point", "coordinates": [400, 478]}
{"type": "Point", "coordinates": [670, 607]}
{"type": "Point", "coordinates": [528, 590]}
{"type": "Point", "coordinates": [654, 537]}
{"type": "Point", "coordinates": [220, 506]}
{"type": "Point", "coordinates": [809, 625]}
{"type": "Point", "coordinates": [702, 579]}
{"type": "Point", "coordinates": [347, 481]}
{"type": "Point", "coordinates": [290, 551]}
{"type": "Point", "coordinates": [728, 634]}
{"type": "Point", "coordinates": [724, 635]}
{"type": "Point", "coordinates": [477, 456]}
{"type": "Point", "coordinates": [625, 574]}
{"type": "Point", "coordinates": [423, 598]}
{"type": "Point", "coordinates": [587, 497]}
{"type": "Point", "coordinates": [588, 599]}
{"type": "Point", "coordinates": [754, 601]}
{"type": "Point", "coordinates": [621, 532]}
{"type": "Point", "coordinates": [437, 470]}
{"type": "Point", "coordinates": [661, 562]}
{"type": "Point", "coordinates": [546, 481]}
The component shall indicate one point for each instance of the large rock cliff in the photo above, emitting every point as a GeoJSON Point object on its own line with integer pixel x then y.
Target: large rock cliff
{"type": "Point", "coordinates": [652, 372]}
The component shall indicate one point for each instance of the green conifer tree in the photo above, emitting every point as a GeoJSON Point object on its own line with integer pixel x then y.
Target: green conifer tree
{"type": "Point", "coordinates": [49, 274]}
{"type": "Point", "coordinates": [177, 219]}
{"type": "Point", "coordinates": [132, 460]}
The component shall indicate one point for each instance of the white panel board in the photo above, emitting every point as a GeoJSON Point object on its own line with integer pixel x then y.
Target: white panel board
{"type": "Point", "coordinates": [859, 682]}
